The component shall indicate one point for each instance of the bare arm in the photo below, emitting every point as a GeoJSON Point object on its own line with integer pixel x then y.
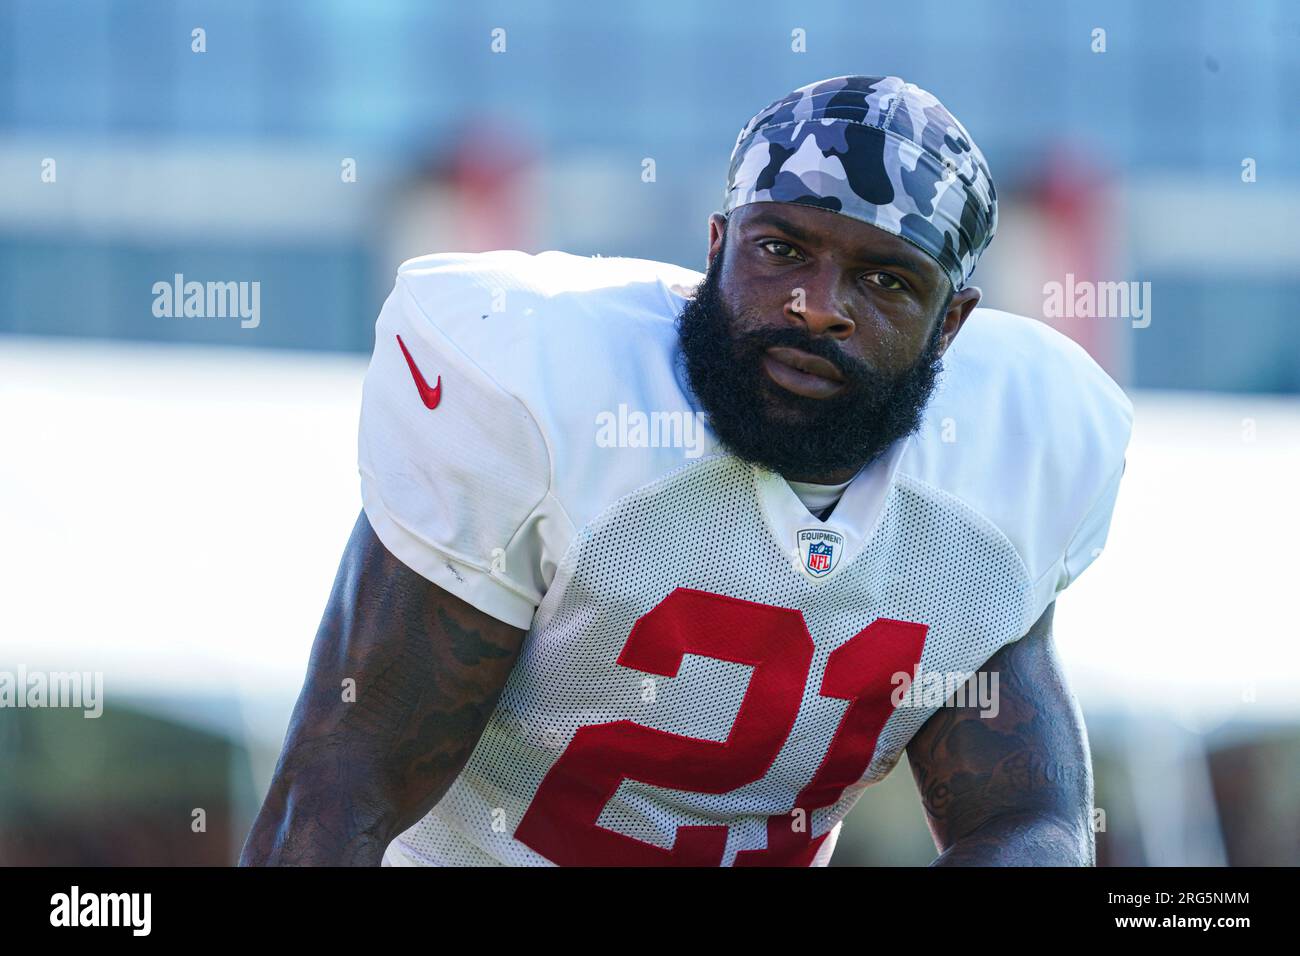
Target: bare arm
{"type": "Point", "coordinates": [1013, 789]}
{"type": "Point", "coordinates": [428, 670]}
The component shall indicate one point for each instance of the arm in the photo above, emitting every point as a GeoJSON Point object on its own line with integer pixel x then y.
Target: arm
{"type": "Point", "coordinates": [428, 670]}
{"type": "Point", "coordinates": [1013, 789]}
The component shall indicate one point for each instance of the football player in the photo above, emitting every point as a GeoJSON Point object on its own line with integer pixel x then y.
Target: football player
{"type": "Point", "coordinates": [579, 636]}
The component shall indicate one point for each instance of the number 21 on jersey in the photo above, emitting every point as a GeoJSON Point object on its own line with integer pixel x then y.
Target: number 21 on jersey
{"type": "Point", "coordinates": [560, 823]}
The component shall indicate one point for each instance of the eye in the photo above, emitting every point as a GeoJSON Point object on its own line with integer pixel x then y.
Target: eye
{"type": "Point", "coordinates": [888, 281]}
{"type": "Point", "coordinates": [767, 243]}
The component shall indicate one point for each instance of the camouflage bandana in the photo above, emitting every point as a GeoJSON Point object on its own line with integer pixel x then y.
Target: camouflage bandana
{"type": "Point", "coordinates": [878, 149]}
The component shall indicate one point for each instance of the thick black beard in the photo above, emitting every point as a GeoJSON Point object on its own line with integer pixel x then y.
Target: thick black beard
{"type": "Point", "coordinates": [803, 438]}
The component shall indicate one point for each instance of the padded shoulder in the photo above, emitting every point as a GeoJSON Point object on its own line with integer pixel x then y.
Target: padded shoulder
{"type": "Point", "coordinates": [1026, 429]}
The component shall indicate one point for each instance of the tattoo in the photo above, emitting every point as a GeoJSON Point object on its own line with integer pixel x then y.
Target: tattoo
{"type": "Point", "coordinates": [428, 670]}
{"type": "Point", "coordinates": [1015, 788]}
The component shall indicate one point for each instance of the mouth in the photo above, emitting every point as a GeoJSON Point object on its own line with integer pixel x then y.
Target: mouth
{"type": "Point", "coordinates": [802, 372]}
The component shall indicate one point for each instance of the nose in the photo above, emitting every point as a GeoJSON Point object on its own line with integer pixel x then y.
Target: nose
{"type": "Point", "coordinates": [816, 304]}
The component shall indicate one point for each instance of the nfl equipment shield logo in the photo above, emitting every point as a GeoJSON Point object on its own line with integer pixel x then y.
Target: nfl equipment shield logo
{"type": "Point", "coordinates": [819, 551]}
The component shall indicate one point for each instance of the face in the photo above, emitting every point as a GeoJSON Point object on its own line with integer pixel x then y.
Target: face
{"type": "Point", "coordinates": [814, 340]}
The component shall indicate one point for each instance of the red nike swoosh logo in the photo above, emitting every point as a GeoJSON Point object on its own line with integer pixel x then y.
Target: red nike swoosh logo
{"type": "Point", "coordinates": [430, 396]}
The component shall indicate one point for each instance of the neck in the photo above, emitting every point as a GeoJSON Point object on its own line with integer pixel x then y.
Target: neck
{"type": "Point", "coordinates": [829, 478]}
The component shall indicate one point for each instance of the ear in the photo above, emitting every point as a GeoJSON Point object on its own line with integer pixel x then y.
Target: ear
{"type": "Point", "coordinates": [959, 309]}
{"type": "Point", "coordinates": [717, 234]}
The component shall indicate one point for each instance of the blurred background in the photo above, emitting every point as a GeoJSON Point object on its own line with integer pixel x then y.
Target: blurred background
{"type": "Point", "coordinates": [175, 491]}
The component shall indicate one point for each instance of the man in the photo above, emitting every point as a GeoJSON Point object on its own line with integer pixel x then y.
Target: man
{"type": "Point", "coordinates": [696, 648]}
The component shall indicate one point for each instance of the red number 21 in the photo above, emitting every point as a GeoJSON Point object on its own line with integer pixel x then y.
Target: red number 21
{"type": "Point", "coordinates": [560, 823]}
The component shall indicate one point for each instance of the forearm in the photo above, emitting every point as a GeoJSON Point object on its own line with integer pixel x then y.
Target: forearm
{"type": "Point", "coordinates": [319, 812]}
{"type": "Point", "coordinates": [1025, 810]}
{"type": "Point", "coordinates": [1025, 839]}
{"type": "Point", "coordinates": [354, 774]}
{"type": "Point", "coordinates": [1011, 786]}
{"type": "Point", "coordinates": [402, 681]}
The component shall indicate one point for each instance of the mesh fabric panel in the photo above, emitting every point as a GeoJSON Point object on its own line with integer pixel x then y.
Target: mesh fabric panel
{"type": "Point", "coordinates": [931, 560]}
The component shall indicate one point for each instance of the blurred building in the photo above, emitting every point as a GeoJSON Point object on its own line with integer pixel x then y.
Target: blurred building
{"type": "Point", "coordinates": [226, 163]}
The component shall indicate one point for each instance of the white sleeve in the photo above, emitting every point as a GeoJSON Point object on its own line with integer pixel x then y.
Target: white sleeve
{"type": "Point", "coordinates": [1089, 423]}
{"type": "Point", "coordinates": [1090, 537]}
{"type": "Point", "coordinates": [457, 492]}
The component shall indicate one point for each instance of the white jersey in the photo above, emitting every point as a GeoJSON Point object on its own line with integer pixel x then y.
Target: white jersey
{"type": "Point", "coordinates": [711, 673]}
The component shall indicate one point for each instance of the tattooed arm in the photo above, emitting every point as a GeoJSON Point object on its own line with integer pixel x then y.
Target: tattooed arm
{"type": "Point", "coordinates": [1015, 788]}
{"type": "Point", "coordinates": [428, 669]}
